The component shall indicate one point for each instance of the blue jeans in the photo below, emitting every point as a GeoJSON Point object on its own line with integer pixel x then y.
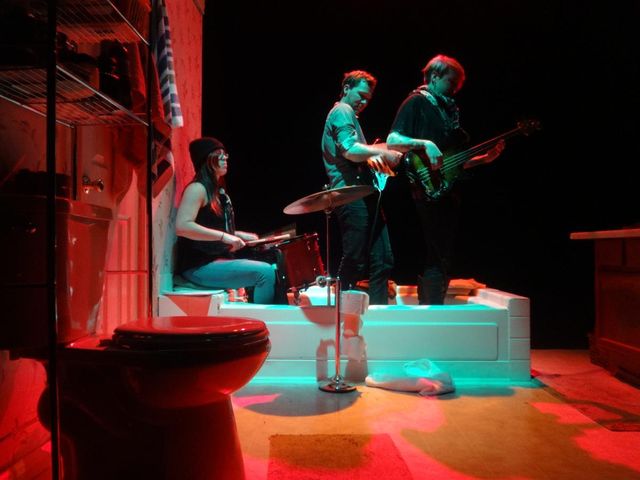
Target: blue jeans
{"type": "Point", "coordinates": [237, 273]}
{"type": "Point", "coordinates": [366, 248]}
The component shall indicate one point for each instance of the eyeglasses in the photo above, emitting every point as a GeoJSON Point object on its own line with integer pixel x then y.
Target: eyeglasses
{"type": "Point", "coordinates": [220, 156]}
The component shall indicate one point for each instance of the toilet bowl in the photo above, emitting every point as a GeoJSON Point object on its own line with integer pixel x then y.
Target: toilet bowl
{"type": "Point", "coordinates": [153, 401]}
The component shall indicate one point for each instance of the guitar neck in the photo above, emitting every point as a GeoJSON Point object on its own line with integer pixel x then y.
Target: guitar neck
{"type": "Point", "coordinates": [462, 157]}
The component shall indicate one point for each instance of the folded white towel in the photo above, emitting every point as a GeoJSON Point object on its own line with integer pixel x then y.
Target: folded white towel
{"type": "Point", "coordinates": [420, 376]}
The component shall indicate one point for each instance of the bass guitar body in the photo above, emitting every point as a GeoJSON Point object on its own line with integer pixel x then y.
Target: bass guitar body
{"type": "Point", "coordinates": [436, 183]}
{"type": "Point", "coordinates": [433, 183]}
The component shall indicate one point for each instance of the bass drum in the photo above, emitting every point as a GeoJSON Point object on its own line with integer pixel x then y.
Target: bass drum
{"type": "Point", "coordinates": [301, 261]}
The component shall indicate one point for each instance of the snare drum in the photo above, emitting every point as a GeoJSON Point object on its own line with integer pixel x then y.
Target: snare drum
{"type": "Point", "coordinates": [301, 259]}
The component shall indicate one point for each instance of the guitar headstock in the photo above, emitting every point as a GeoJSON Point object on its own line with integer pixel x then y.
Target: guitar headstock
{"type": "Point", "coordinates": [528, 126]}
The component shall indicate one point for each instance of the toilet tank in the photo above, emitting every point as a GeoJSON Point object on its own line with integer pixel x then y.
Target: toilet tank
{"type": "Point", "coordinates": [82, 232]}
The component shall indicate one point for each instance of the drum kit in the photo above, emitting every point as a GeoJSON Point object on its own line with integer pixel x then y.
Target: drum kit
{"type": "Point", "coordinates": [326, 201]}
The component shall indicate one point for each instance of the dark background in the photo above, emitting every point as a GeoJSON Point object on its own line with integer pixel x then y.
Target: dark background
{"type": "Point", "coordinates": [272, 71]}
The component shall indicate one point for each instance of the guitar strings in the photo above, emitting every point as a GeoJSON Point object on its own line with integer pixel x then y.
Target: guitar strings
{"type": "Point", "coordinates": [424, 173]}
{"type": "Point", "coordinates": [462, 157]}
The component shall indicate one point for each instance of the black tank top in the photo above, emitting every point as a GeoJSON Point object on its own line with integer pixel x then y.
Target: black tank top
{"type": "Point", "coordinates": [195, 253]}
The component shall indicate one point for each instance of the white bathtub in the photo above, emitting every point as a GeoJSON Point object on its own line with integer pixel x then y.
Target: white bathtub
{"type": "Point", "coordinates": [482, 338]}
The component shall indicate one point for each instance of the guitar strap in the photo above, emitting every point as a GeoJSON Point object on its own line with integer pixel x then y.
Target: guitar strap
{"type": "Point", "coordinates": [446, 107]}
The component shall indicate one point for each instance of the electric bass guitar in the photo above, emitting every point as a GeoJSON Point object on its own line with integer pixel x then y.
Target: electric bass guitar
{"type": "Point", "coordinates": [435, 183]}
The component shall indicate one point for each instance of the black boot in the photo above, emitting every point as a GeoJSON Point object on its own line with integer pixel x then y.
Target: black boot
{"type": "Point", "coordinates": [432, 287]}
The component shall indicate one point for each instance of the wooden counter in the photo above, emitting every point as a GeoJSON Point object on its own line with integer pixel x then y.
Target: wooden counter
{"type": "Point", "coordinates": [615, 341]}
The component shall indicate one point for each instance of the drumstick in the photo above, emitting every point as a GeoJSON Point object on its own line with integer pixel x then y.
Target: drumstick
{"type": "Point", "coordinates": [260, 241]}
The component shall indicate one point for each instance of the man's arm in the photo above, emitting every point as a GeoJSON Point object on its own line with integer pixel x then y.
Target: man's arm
{"type": "Point", "coordinates": [488, 157]}
{"type": "Point", "coordinates": [344, 126]}
{"type": "Point", "coordinates": [360, 152]}
{"type": "Point", "coordinates": [402, 143]}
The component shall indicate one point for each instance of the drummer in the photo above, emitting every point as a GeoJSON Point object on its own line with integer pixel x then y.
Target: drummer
{"type": "Point", "coordinates": [207, 238]}
{"type": "Point", "coordinates": [366, 250]}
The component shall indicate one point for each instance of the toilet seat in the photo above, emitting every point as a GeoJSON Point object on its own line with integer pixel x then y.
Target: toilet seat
{"type": "Point", "coordinates": [180, 341]}
{"type": "Point", "coordinates": [180, 332]}
{"type": "Point", "coordinates": [188, 341]}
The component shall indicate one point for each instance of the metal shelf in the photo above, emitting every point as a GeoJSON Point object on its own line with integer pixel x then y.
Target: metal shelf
{"type": "Point", "coordinates": [91, 21]}
{"type": "Point", "coordinates": [77, 103]}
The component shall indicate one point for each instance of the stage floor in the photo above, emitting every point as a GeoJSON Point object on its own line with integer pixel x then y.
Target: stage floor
{"type": "Point", "coordinates": [533, 431]}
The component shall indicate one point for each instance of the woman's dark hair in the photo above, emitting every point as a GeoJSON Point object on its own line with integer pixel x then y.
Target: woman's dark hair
{"type": "Point", "coordinates": [212, 185]}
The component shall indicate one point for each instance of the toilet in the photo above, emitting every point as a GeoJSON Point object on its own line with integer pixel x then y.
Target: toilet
{"type": "Point", "coordinates": [152, 400]}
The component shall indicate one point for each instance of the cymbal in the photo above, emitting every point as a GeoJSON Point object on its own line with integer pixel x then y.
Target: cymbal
{"type": "Point", "coordinates": [328, 199]}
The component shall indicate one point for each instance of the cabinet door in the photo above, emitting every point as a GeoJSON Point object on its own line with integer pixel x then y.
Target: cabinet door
{"type": "Point", "coordinates": [126, 276]}
{"type": "Point", "coordinates": [616, 342]}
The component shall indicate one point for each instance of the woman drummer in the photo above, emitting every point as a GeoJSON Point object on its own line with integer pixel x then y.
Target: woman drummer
{"type": "Point", "coordinates": [207, 238]}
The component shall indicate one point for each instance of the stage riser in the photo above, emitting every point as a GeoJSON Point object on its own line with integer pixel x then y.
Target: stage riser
{"type": "Point", "coordinates": [477, 333]}
{"type": "Point", "coordinates": [484, 339]}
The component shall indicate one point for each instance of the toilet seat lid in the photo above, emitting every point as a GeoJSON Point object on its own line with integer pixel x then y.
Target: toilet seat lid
{"type": "Point", "coordinates": [188, 331]}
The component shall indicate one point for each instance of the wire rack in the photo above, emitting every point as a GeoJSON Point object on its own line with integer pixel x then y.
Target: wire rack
{"type": "Point", "coordinates": [77, 103]}
{"type": "Point", "coordinates": [91, 21]}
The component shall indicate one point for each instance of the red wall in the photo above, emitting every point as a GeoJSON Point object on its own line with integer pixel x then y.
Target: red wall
{"type": "Point", "coordinates": [186, 34]}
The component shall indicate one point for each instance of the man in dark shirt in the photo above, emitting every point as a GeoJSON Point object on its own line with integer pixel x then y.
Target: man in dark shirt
{"type": "Point", "coordinates": [428, 123]}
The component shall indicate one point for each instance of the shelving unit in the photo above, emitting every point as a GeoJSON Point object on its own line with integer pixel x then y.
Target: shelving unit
{"type": "Point", "coordinates": [90, 21]}
{"type": "Point", "coordinates": [80, 162]}
{"type": "Point", "coordinates": [77, 102]}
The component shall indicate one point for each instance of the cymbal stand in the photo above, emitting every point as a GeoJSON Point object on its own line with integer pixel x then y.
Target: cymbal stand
{"type": "Point", "coordinates": [327, 217]}
{"type": "Point", "coordinates": [336, 384]}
